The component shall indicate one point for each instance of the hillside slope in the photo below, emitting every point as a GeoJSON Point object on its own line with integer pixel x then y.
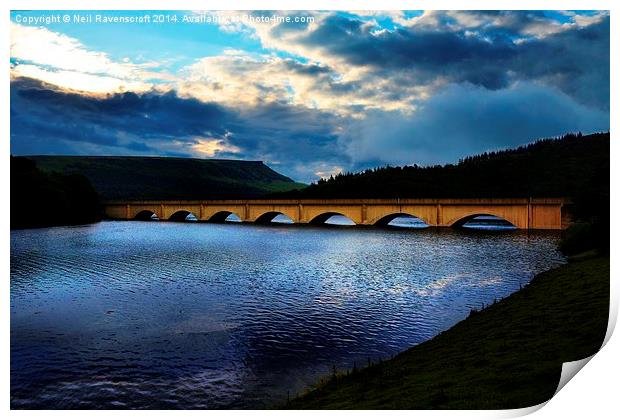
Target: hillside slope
{"type": "Point", "coordinates": [117, 178]}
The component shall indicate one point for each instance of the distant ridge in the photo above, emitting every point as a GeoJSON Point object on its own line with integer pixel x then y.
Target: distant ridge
{"type": "Point", "coordinates": [170, 178]}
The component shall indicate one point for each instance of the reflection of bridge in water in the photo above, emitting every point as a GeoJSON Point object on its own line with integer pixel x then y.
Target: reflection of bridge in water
{"type": "Point", "coordinates": [533, 213]}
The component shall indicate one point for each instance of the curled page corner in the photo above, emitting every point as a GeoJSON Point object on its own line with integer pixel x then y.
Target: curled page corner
{"type": "Point", "coordinates": [613, 317]}
{"type": "Point", "coordinates": [522, 412]}
{"type": "Point", "coordinates": [569, 370]}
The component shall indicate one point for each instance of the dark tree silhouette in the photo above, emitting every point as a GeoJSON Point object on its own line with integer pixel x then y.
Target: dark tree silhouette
{"type": "Point", "coordinates": [49, 199]}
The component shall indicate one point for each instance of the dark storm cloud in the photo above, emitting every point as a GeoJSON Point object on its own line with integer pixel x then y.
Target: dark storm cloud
{"type": "Point", "coordinates": [507, 22]}
{"type": "Point", "coordinates": [402, 48]}
{"type": "Point", "coordinates": [146, 115]}
{"type": "Point", "coordinates": [465, 119]}
{"type": "Point", "coordinates": [294, 140]}
{"type": "Point", "coordinates": [575, 60]}
{"type": "Point", "coordinates": [45, 119]}
{"type": "Point", "coordinates": [306, 69]}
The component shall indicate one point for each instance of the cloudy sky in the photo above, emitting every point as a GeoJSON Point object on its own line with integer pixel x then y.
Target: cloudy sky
{"type": "Point", "coordinates": [322, 93]}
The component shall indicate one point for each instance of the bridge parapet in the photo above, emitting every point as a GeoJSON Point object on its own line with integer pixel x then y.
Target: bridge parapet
{"type": "Point", "coordinates": [524, 213]}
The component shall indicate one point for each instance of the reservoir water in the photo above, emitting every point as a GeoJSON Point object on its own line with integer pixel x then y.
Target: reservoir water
{"type": "Point", "coordinates": [189, 315]}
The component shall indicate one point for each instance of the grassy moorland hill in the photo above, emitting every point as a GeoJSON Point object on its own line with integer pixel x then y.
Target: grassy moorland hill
{"type": "Point", "coordinates": [508, 355]}
{"type": "Point", "coordinates": [117, 178]}
{"type": "Point", "coordinates": [559, 167]}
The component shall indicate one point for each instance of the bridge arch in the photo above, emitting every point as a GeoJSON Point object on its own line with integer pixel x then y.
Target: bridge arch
{"type": "Point", "coordinates": [268, 217]}
{"type": "Point", "coordinates": [385, 220]}
{"type": "Point", "coordinates": [524, 213]}
{"type": "Point", "coordinates": [324, 217]}
{"type": "Point", "coordinates": [499, 220]}
{"type": "Point", "coordinates": [183, 216]}
{"type": "Point", "coordinates": [146, 215]}
{"type": "Point", "coordinates": [223, 217]}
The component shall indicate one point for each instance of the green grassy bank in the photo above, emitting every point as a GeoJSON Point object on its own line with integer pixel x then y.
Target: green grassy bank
{"type": "Point", "coordinates": [508, 355]}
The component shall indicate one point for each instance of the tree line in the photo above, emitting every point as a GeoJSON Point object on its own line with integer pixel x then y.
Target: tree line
{"type": "Point", "coordinates": [41, 199]}
{"type": "Point", "coordinates": [556, 167]}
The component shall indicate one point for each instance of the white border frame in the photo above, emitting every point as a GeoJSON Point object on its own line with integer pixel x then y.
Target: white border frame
{"type": "Point", "coordinates": [593, 393]}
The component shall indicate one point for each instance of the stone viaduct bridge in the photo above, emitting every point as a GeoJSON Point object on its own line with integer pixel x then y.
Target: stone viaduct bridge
{"type": "Point", "coordinates": [524, 213]}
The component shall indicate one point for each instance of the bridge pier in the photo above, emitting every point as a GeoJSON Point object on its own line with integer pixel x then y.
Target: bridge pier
{"type": "Point", "coordinates": [300, 214]}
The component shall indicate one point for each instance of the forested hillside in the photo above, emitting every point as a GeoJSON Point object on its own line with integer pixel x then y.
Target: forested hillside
{"type": "Point", "coordinates": [560, 167]}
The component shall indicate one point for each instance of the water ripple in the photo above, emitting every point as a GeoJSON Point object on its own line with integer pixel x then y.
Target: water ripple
{"type": "Point", "coordinates": [168, 315]}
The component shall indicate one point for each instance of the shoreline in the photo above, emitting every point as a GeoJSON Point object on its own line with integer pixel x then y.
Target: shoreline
{"type": "Point", "coordinates": [507, 355]}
